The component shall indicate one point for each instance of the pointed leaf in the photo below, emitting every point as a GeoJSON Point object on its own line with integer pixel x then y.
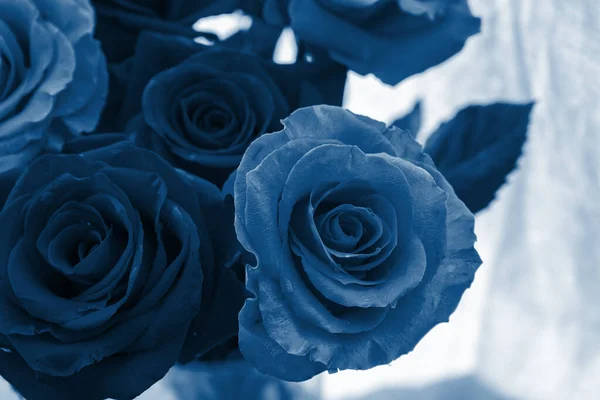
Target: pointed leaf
{"type": "Point", "coordinates": [412, 121]}
{"type": "Point", "coordinates": [478, 148]}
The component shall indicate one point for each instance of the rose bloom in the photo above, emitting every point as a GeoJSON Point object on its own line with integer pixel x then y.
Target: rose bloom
{"type": "Point", "coordinates": [107, 259]}
{"type": "Point", "coordinates": [361, 245]}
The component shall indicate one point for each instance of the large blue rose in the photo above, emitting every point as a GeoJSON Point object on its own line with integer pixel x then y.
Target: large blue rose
{"type": "Point", "coordinates": [53, 79]}
{"type": "Point", "coordinates": [201, 106]}
{"type": "Point", "coordinates": [107, 261]}
{"type": "Point", "coordinates": [393, 39]}
{"type": "Point", "coordinates": [361, 246]}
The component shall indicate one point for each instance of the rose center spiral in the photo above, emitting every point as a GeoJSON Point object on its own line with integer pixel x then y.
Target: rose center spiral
{"type": "Point", "coordinates": [346, 228]}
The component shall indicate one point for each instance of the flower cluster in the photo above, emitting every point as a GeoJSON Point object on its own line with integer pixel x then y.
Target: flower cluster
{"type": "Point", "coordinates": [170, 200]}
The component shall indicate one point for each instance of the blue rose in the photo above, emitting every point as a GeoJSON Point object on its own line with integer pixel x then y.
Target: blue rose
{"type": "Point", "coordinates": [393, 39]}
{"type": "Point", "coordinates": [202, 114]}
{"type": "Point", "coordinates": [201, 106]}
{"type": "Point", "coordinates": [53, 79]}
{"type": "Point", "coordinates": [107, 269]}
{"type": "Point", "coordinates": [361, 246]}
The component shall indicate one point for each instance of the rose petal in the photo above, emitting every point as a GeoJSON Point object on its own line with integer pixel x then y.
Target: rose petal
{"type": "Point", "coordinates": [265, 354]}
{"type": "Point", "coordinates": [250, 186]}
{"type": "Point", "coordinates": [47, 168]}
{"type": "Point", "coordinates": [313, 307]}
{"type": "Point", "coordinates": [119, 376]}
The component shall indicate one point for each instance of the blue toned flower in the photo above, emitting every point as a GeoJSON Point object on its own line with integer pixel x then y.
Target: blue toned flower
{"type": "Point", "coordinates": [201, 106]}
{"type": "Point", "coordinates": [53, 78]}
{"type": "Point", "coordinates": [361, 245]}
{"type": "Point", "coordinates": [202, 114]}
{"type": "Point", "coordinates": [392, 39]}
{"type": "Point", "coordinates": [106, 264]}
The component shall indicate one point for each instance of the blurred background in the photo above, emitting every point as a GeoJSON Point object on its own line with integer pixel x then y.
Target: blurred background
{"type": "Point", "coordinates": [529, 327]}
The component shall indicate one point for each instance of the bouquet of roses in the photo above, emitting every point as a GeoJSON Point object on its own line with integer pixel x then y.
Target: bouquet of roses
{"type": "Point", "coordinates": [169, 196]}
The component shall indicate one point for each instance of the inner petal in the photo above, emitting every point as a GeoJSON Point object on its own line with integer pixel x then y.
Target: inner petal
{"type": "Point", "coordinates": [347, 227]}
{"type": "Point", "coordinates": [374, 213]}
{"type": "Point", "coordinates": [215, 120]}
{"type": "Point", "coordinates": [88, 243]}
{"type": "Point", "coordinates": [194, 111]}
{"type": "Point", "coordinates": [379, 242]}
{"type": "Point", "coordinates": [208, 114]}
{"type": "Point", "coordinates": [63, 249]}
{"type": "Point", "coordinates": [71, 213]}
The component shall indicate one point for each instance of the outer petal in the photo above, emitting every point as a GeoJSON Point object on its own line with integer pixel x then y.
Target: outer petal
{"type": "Point", "coordinates": [332, 123]}
{"type": "Point", "coordinates": [49, 167]}
{"type": "Point", "coordinates": [73, 17]}
{"type": "Point", "coordinates": [120, 377]}
{"type": "Point", "coordinates": [264, 353]}
{"type": "Point", "coordinates": [81, 104]}
{"type": "Point", "coordinates": [14, 319]}
{"type": "Point", "coordinates": [127, 155]}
